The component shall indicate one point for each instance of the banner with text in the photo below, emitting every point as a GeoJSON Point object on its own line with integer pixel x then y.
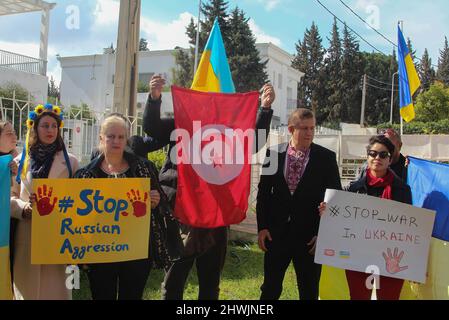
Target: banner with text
{"type": "Point", "coordinates": [5, 218]}
{"type": "Point", "coordinates": [79, 221]}
{"type": "Point", "coordinates": [373, 235]}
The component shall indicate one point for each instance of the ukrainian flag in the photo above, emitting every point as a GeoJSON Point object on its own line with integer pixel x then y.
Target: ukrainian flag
{"type": "Point", "coordinates": [408, 79]}
{"type": "Point", "coordinates": [5, 187]}
{"type": "Point", "coordinates": [214, 74]}
{"type": "Point", "coordinates": [429, 182]}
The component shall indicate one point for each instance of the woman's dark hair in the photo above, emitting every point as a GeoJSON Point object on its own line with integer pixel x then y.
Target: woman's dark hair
{"type": "Point", "coordinates": [34, 138]}
{"type": "Point", "coordinates": [381, 139]}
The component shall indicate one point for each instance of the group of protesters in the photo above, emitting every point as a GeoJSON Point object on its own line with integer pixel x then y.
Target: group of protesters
{"type": "Point", "coordinates": [289, 204]}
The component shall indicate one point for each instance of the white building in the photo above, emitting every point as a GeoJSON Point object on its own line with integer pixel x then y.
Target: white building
{"type": "Point", "coordinates": [29, 72]}
{"type": "Point", "coordinates": [90, 79]}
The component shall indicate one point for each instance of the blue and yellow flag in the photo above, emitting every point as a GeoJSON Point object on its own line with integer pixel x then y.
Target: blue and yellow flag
{"type": "Point", "coordinates": [408, 79]}
{"type": "Point", "coordinates": [5, 191]}
{"type": "Point", "coordinates": [429, 182]}
{"type": "Point", "coordinates": [214, 74]}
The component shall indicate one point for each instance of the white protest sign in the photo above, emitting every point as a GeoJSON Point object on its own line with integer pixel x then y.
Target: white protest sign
{"type": "Point", "coordinates": [359, 231]}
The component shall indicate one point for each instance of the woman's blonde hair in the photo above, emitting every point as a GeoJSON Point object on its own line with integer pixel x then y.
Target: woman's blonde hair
{"type": "Point", "coordinates": [3, 124]}
{"type": "Point", "coordinates": [110, 121]}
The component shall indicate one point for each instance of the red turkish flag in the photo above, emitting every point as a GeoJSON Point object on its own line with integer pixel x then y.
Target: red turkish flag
{"type": "Point", "coordinates": [214, 149]}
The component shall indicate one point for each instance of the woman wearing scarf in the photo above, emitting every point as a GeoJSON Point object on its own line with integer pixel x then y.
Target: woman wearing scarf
{"type": "Point", "coordinates": [44, 157]}
{"type": "Point", "coordinates": [127, 280]}
{"type": "Point", "coordinates": [379, 181]}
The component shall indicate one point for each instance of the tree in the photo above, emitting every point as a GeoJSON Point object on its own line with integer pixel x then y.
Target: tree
{"type": "Point", "coordinates": [426, 71]}
{"type": "Point", "coordinates": [214, 9]}
{"type": "Point", "coordinates": [184, 59]}
{"type": "Point", "coordinates": [351, 74]}
{"type": "Point", "coordinates": [239, 41]}
{"type": "Point", "coordinates": [10, 91]}
{"type": "Point", "coordinates": [143, 87]}
{"type": "Point", "coordinates": [433, 104]}
{"type": "Point", "coordinates": [333, 74]}
{"type": "Point", "coordinates": [317, 53]}
{"type": "Point", "coordinates": [310, 60]}
{"type": "Point", "coordinates": [301, 63]}
{"type": "Point", "coordinates": [378, 98]}
{"type": "Point", "coordinates": [244, 59]}
{"type": "Point", "coordinates": [443, 64]}
{"type": "Point", "coordinates": [143, 45]}
{"type": "Point", "coordinates": [53, 92]}
{"type": "Point", "coordinates": [410, 49]}
{"type": "Point", "coordinates": [393, 69]}
{"type": "Point", "coordinates": [183, 72]}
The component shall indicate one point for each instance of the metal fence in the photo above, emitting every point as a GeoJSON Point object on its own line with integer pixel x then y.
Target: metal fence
{"type": "Point", "coordinates": [351, 149]}
{"type": "Point", "coordinates": [81, 126]}
{"type": "Point", "coordinates": [23, 63]}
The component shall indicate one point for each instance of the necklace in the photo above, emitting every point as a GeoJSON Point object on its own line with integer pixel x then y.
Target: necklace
{"type": "Point", "coordinates": [115, 171]}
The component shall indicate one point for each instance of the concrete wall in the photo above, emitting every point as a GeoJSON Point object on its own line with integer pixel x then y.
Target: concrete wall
{"type": "Point", "coordinates": [88, 79]}
{"type": "Point", "coordinates": [36, 84]}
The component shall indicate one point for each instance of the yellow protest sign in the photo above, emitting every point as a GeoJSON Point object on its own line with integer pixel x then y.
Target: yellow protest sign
{"type": "Point", "coordinates": [78, 221]}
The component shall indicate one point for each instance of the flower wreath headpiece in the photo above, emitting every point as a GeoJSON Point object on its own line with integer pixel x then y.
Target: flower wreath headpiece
{"type": "Point", "coordinates": [40, 109]}
{"type": "Point", "coordinates": [32, 117]}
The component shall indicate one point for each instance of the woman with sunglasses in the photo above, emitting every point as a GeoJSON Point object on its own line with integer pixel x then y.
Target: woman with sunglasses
{"type": "Point", "coordinates": [379, 181]}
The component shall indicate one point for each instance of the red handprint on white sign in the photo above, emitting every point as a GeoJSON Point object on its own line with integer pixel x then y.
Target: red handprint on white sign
{"type": "Point", "coordinates": [393, 261]}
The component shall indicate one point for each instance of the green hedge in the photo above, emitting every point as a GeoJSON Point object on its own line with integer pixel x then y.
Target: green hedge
{"type": "Point", "coordinates": [158, 158]}
{"type": "Point", "coordinates": [416, 127]}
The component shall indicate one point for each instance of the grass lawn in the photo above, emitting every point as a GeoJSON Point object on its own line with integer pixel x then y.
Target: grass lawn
{"type": "Point", "coordinates": [241, 278]}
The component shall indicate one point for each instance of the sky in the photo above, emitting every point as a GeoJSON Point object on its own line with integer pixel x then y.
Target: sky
{"type": "Point", "coordinates": [82, 27]}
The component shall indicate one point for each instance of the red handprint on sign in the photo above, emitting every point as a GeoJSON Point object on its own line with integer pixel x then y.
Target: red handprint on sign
{"type": "Point", "coordinates": [43, 201]}
{"type": "Point", "coordinates": [393, 261]}
{"type": "Point", "coordinates": [139, 206]}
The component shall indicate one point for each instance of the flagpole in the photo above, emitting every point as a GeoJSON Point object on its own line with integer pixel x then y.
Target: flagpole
{"type": "Point", "coordinates": [392, 97]}
{"type": "Point", "coordinates": [197, 38]}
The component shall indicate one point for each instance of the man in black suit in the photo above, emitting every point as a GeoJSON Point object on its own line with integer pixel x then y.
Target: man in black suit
{"type": "Point", "coordinates": [287, 207]}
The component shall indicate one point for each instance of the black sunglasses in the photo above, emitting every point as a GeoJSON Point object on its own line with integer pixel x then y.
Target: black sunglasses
{"type": "Point", "coordinates": [383, 154]}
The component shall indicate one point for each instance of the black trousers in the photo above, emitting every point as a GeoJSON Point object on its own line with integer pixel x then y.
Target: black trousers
{"type": "Point", "coordinates": [120, 280]}
{"type": "Point", "coordinates": [209, 266]}
{"type": "Point", "coordinates": [281, 251]}
{"type": "Point", "coordinates": [12, 234]}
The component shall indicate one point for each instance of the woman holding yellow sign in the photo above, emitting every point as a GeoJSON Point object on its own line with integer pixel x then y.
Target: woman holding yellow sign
{"type": "Point", "coordinates": [126, 280]}
{"type": "Point", "coordinates": [43, 157]}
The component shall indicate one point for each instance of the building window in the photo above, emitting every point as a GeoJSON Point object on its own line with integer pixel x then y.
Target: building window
{"type": "Point", "coordinates": [280, 81]}
{"type": "Point", "coordinates": [145, 77]}
{"type": "Point", "coordinates": [274, 78]}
